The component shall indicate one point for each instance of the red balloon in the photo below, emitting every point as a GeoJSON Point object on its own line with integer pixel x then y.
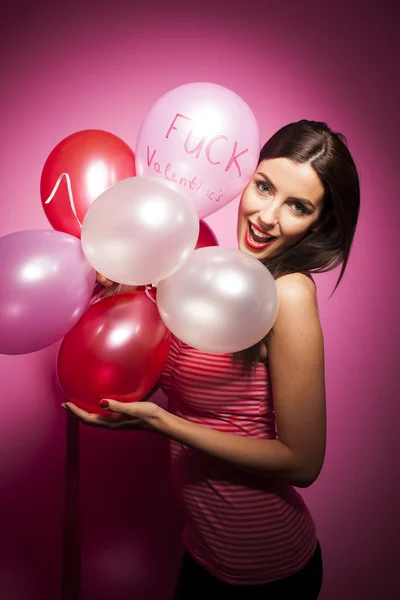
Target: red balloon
{"type": "Point", "coordinates": [117, 350]}
{"type": "Point", "coordinates": [206, 236]}
{"type": "Point", "coordinates": [78, 170]}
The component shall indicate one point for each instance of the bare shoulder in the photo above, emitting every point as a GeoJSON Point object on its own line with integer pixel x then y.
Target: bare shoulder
{"type": "Point", "coordinates": [297, 299]}
{"type": "Point", "coordinates": [298, 309]}
{"type": "Point", "coordinates": [296, 286]}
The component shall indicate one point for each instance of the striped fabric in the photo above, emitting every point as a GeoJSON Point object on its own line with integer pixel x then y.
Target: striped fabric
{"type": "Point", "coordinates": [243, 528]}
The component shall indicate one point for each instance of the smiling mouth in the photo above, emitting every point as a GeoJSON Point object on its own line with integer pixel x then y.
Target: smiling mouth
{"type": "Point", "coordinates": [257, 240]}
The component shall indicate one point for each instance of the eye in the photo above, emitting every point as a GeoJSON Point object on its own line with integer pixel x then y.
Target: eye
{"type": "Point", "coordinates": [299, 208]}
{"type": "Point", "coordinates": [263, 186]}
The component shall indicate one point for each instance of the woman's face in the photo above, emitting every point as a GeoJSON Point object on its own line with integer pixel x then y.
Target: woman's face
{"type": "Point", "coordinates": [284, 200]}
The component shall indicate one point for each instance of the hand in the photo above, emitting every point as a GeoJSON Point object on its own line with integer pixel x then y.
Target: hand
{"type": "Point", "coordinates": [123, 415]}
{"type": "Point", "coordinates": [112, 286]}
{"type": "Point", "coordinates": [104, 281]}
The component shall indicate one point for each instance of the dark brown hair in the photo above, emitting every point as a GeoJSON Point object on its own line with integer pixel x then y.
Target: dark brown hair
{"type": "Point", "coordinates": [327, 244]}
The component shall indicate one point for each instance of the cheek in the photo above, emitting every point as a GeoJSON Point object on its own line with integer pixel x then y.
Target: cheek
{"type": "Point", "coordinates": [242, 203]}
{"type": "Point", "coordinates": [297, 230]}
{"type": "Point", "coordinates": [248, 204]}
{"type": "Point", "coordinates": [294, 226]}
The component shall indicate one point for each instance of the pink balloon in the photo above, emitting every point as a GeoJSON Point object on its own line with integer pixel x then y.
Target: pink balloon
{"type": "Point", "coordinates": [203, 140]}
{"type": "Point", "coordinates": [47, 285]}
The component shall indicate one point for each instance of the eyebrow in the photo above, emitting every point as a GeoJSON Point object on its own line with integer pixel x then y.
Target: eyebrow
{"type": "Point", "coordinates": [267, 179]}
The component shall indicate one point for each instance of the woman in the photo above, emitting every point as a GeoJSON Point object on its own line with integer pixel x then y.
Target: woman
{"type": "Point", "coordinates": [246, 429]}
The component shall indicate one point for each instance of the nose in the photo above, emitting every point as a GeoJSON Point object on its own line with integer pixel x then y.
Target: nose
{"type": "Point", "coordinates": [269, 214]}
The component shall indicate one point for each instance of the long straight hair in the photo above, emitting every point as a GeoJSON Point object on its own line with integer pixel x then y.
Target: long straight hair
{"type": "Point", "coordinates": [328, 243]}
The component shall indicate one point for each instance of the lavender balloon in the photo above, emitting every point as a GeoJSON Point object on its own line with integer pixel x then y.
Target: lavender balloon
{"type": "Point", "coordinates": [46, 287]}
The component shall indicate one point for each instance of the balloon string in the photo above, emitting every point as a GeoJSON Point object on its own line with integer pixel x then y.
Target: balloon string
{"type": "Point", "coordinates": [146, 291]}
{"type": "Point", "coordinates": [70, 195]}
{"type": "Point", "coordinates": [71, 542]}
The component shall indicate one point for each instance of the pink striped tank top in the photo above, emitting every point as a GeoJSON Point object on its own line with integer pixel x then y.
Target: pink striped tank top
{"type": "Point", "coordinates": [243, 528]}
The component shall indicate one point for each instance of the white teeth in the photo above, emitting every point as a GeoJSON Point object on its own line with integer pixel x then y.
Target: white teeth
{"type": "Point", "coordinates": [264, 236]}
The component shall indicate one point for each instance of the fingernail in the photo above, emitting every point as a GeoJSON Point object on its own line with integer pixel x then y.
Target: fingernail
{"type": "Point", "coordinates": [64, 407]}
{"type": "Point", "coordinates": [104, 403]}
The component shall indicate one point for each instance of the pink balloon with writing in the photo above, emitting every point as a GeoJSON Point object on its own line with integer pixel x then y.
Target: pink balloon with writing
{"type": "Point", "coordinates": [203, 140]}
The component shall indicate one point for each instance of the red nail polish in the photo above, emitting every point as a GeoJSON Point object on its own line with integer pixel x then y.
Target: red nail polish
{"type": "Point", "coordinates": [104, 403]}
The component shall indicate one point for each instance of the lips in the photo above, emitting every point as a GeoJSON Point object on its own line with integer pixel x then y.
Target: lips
{"type": "Point", "coordinates": [256, 239]}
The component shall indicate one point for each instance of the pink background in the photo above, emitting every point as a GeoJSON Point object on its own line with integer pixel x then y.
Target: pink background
{"type": "Point", "coordinates": [103, 66]}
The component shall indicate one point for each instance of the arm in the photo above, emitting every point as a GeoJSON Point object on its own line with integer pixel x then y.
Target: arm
{"type": "Point", "coordinates": [295, 354]}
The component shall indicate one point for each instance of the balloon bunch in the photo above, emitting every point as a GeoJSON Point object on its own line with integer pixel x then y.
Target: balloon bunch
{"type": "Point", "coordinates": [136, 218]}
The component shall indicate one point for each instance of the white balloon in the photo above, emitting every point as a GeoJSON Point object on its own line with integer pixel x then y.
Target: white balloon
{"type": "Point", "coordinates": [221, 300]}
{"type": "Point", "coordinates": [139, 231]}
